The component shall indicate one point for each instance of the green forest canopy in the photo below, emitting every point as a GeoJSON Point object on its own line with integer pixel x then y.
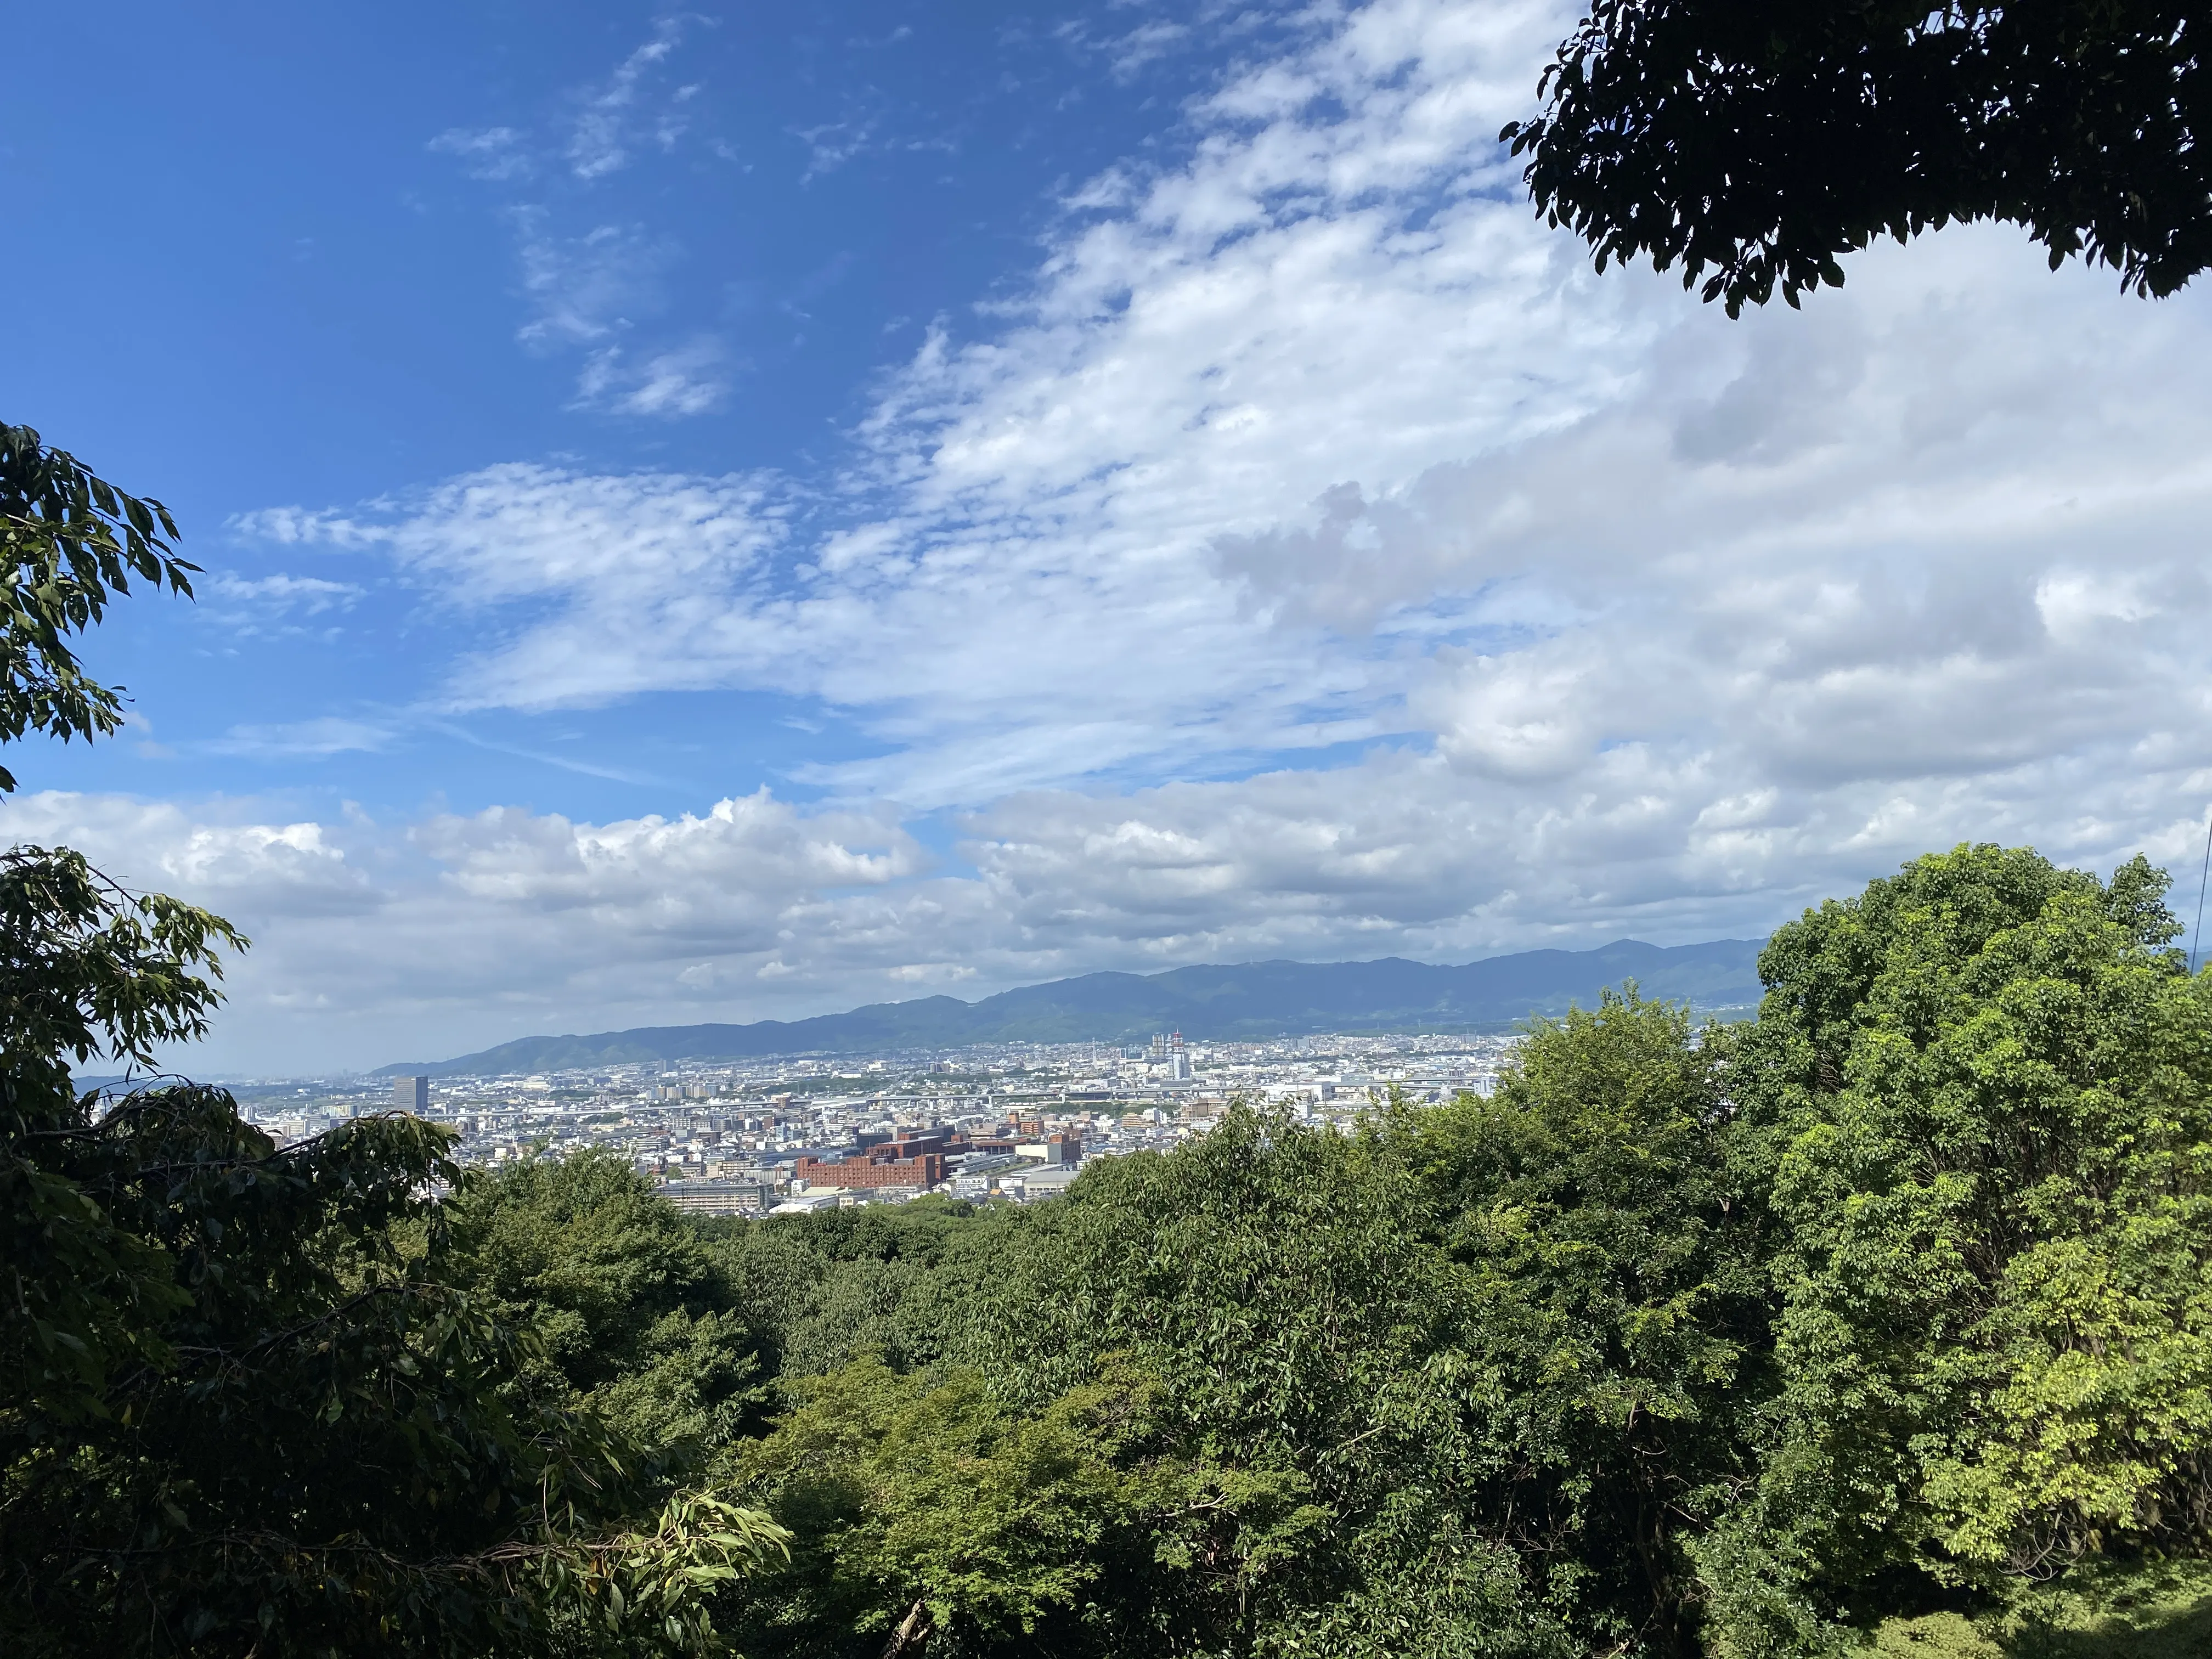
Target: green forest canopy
{"type": "Point", "coordinates": [1891, 1304]}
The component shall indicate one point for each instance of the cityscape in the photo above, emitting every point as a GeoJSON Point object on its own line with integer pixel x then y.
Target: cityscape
{"type": "Point", "coordinates": [1013, 1122]}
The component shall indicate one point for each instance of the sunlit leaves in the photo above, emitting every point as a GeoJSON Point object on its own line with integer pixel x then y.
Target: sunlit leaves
{"type": "Point", "coordinates": [70, 543]}
{"type": "Point", "coordinates": [1989, 1084]}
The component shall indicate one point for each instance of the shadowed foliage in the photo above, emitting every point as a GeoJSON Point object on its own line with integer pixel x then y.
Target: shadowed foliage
{"type": "Point", "coordinates": [1759, 142]}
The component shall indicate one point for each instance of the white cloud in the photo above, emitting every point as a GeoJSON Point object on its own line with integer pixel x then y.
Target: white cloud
{"type": "Point", "coordinates": [610, 121]}
{"type": "Point", "coordinates": [688, 379]}
{"type": "Point", "coordinates": [1643, 621]}
{"type": "Point", "coordinates": [1320, 436]}
{"type": "Point", "coordinates": [591, 285]}
{"type": "Point", "coordinates": [376, 943]}
{"type": "Point", "coordinates": [495, 155]}
{"type": "Point", "coordinates": [216, 855]}
{"type": "Point", "coordinates": [326, 735]}
{"type": "Point", "coordinates": [524, 532]}
{"type": "Point", "coordinates": [299, 526]}
{"type": "Point", "coordinates": [931, 972]}
{"type": "Point", "coordinates": [282, 594]}
{"type": "Point", "coordinates": [1042, 603]}
{"type": "Point", "coordinates": [717, 863]}
{"type": "Point", "coordinates": [608, 127]}
{"type": "Point", "coordinates": [585, 288]}
{"type": "Point", "coordinates": [831, 145]}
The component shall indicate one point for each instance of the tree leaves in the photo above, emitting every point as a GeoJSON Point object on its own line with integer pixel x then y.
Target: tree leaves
{"type": "Point", "coordinates": [1759, 142]}
{"type": "Point", "coordinates": [69, 542]}
{"type": "Point", "coordinates": [1989, 1089]}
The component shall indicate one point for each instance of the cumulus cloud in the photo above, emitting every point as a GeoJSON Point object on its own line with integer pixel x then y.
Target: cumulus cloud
{"type": "Point", "coordinates": [380, 942]}
{"type": "Point", "coordinates": [219, 855]}
{"type": "Point", "coordinates": [1315, 441]}
{"type": "Point", "coordinates": [372, 940]}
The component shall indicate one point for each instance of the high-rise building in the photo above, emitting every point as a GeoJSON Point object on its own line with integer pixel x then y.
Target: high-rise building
{"type": "Point", "coordinates": [411, 1094]}
{"type": "Point", "coordinates": [1178, 1059]}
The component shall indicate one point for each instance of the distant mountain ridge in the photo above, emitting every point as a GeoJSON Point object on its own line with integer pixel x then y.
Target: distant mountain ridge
{"type": "Point", "coordinates": [1243, 1002]}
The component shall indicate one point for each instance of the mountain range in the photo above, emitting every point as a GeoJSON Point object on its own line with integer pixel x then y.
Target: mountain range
{"type": "Point", "coordinates": [1242, 1002]}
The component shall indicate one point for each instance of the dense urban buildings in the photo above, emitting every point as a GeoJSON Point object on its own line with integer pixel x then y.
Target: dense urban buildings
{"type": "Point", "coordinates": [1014, 1121]}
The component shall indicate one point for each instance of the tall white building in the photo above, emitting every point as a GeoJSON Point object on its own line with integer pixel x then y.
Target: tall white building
{"type": "Point", "coordinates": [411, 1094]}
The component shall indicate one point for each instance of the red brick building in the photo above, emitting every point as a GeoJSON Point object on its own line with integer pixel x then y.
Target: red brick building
{"type": "Point", "coordinates": [876, 1168]}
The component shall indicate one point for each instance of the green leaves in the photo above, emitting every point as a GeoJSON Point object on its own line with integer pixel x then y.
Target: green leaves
{"type": "Point", "coordinates": [1990, 1093]}
{"type": "Point", "coordinates": [1683, 1338]}
{"type": "Point", "coordinates": [652, 1586]}
{"type": "Point", "coordinates": [1610, 1263]}
{"type": "Point", "coordinates": [906, 1492]}
{"type": "Point", "coordinates": [634, 1318]}
{"type": "Point", "coordinates": [85, 969]}
{"type": "Point", "coordinates": [322, 1439]}
{"type": "Point", "coordinates": [70, 543]}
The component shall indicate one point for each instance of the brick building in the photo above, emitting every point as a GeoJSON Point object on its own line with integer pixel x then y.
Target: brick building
{"type": "Point", "coordinates": [878, 1167]}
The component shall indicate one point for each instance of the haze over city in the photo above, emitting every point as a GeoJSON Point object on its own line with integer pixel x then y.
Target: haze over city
{"type": "Point", "coordinates": [735, 515]}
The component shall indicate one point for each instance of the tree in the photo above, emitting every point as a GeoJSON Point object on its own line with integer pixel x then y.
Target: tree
{"type": "Point", "coordinates": [1759, 141]}
{"type": "Point", "coordinates": [245, 1404]}
{"type": "Point", "coordinates": [1612, 1257]}
{"type": "Point", "coordinates": [824, 1290]}
{"type": "Point", "coordinates": [315, 1446]}
{"type": "Point", "coordinates": [1986, 1086]}
{"type": "Point", "coordinates": [69, 543]}
{"type": "Point", "coordinates": [1280, 1287]}
{"type": "Point", "coordinates": [634, 1320]}
{"type": "Point", "coordinates": [927, 1514]}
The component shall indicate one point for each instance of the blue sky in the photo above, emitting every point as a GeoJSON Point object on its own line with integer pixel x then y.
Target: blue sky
{"type": "Point", "coordinates": [327, 257]}
{"type": "Point", "coordinates": [711, 515]}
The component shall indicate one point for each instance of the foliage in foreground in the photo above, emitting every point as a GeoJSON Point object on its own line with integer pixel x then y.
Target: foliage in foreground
{"type": "Point", "coordinates": [1882, 1317]}
{"type": "Point", "coordinates": [252, 1405]}
{"type": "Point", "coordinates": [1759, 141]}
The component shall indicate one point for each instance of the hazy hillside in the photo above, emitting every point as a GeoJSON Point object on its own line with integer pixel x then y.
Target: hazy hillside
{"type": "Point", "coordinates": [1247, 1000]}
